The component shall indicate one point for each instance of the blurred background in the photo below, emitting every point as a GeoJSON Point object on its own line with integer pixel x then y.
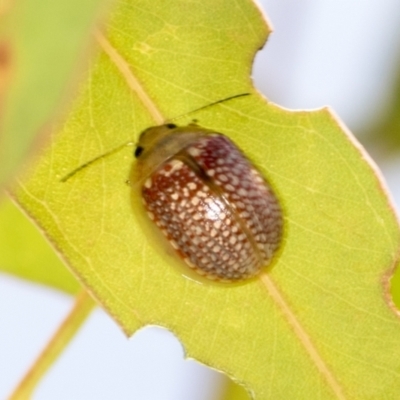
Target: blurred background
{"type": "Point", "coordinates": [344, 54]}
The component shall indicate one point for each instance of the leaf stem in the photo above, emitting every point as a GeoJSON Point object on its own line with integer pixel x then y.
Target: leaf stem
{"type": "Point", "coordinates": [81, 309]}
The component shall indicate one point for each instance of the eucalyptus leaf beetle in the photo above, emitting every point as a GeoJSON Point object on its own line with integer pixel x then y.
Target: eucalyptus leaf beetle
{"type": "Point", "coordinates": [218, 214]}
{"type": "Point", "coordinates": [203, 198]}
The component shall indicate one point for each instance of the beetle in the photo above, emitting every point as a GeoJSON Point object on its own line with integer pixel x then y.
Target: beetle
{"type": "Point", "coordinates": [217, 212]}
{"type": "Point", "coordinates": [204, 199]}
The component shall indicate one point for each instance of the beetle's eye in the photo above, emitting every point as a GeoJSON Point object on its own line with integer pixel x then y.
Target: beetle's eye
{"type": "Point", "coordinates": [171, 126]}
{"type": "Point", "coordinates": [138, 151]}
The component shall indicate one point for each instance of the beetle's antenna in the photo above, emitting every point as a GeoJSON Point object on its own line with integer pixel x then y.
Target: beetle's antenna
{"type": "Point", "coordinates": [108, 153]}
{"type": "Point", "coordinates": [210, 104]}
{"type": "Point", "coordinates": [93, 160]}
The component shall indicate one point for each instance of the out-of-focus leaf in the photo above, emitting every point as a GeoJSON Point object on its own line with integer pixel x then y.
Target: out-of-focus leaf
{"type": "Point", "coordinates": [319, 324]}
{"type": "Point", "coordinates": [383, 136]}
{"type": "Point", "coordinates": [40, 43]}
{"type": "Point", "coordinates": [24, 252]}
{"type": "Point", "coordinates": [395, 288]}
{"type": "Point", "coordinates": [235, 392]}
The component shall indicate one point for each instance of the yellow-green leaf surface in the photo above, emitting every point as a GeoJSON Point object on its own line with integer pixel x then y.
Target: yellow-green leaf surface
{"type": "Point", "coordinates": [24, 252]}
{"type": "Point", "coordinates": [40, 41]}
{"type": "Point", "coordinates": [318, 325]}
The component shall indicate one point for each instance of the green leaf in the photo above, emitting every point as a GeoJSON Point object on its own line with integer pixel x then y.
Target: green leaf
{"type": "Point", "coordinates": [318, 325]}
{"type": "Point", "coordinates": [40, 42]}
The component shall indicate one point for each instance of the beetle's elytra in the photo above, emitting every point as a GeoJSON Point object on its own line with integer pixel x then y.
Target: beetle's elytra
{"type": "Point", "coordinates": [214, 208]}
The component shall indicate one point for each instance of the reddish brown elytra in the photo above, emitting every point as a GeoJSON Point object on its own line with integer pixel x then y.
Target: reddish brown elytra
{"type": "Point", "coordinates": [217, 212]}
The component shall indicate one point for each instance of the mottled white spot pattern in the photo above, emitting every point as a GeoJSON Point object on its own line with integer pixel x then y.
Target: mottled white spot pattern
{"type": "Point", "coordinates": [226, 227]}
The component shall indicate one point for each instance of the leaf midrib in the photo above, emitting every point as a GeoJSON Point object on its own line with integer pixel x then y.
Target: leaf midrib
{"type": "Point", "coordinates": [273, 291]}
